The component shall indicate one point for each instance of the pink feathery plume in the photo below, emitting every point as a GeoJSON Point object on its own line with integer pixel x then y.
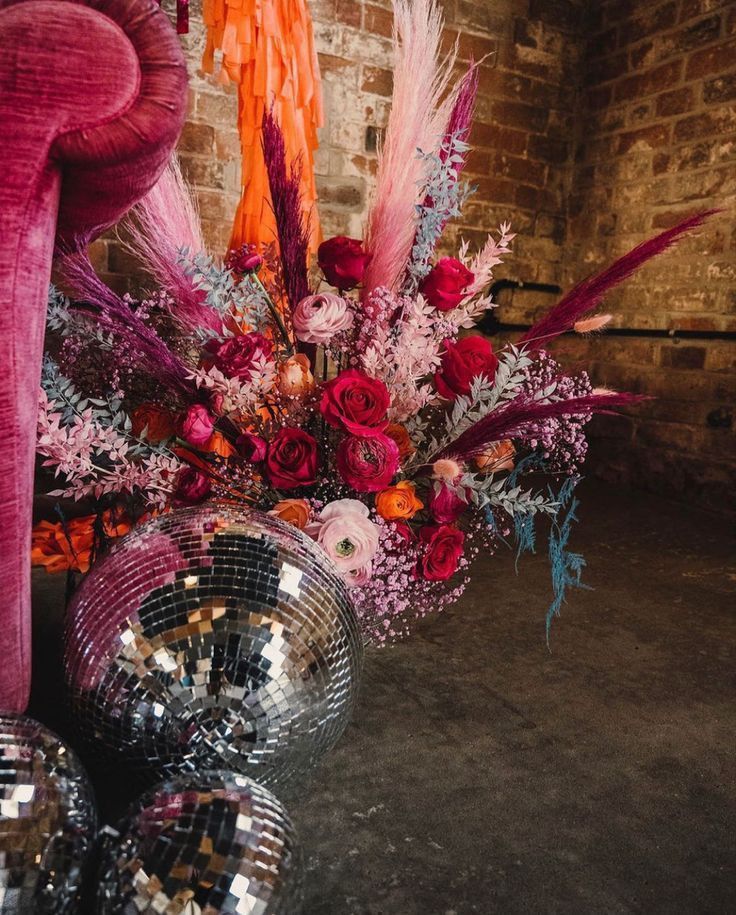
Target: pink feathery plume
{"type": "Point", "coordinates": [418, 120]}
{"type": "Point", "coordinates": [159, 227]}
{"type": "Point", "coordinates": [286, 198]}
{"type": "Point", "coordinates": [518, 416]}
{"type": "Point", "coordinates": [588, 294]}
{"type": "Point", "coordinates": [461, 116]}
{"type": "Point", "coordinates": [114, 314]}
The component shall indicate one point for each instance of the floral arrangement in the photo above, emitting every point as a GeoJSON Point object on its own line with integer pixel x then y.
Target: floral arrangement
{"type": "Point", "coordinates": [367, 414]}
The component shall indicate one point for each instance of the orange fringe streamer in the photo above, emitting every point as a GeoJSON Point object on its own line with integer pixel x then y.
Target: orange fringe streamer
{"type": "Point", "coordinates": [268, 51]}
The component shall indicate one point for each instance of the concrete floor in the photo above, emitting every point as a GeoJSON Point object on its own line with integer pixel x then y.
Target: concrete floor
{"type": "Point", "coordinates": [484, 773]}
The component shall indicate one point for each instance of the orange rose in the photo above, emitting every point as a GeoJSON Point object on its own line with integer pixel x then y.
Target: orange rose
{"type": "Point", "coordinates": [294, 375]}
{"type": "Point", "coordinates": [293, 511]}
{"type": "Point", "coordinates": [399, 434]}
{"type": "Point", "coordinates": [498, 457]}
{"type": "Point", "coordinates": [399, 502]}
{"type": "Point", "coordinates": [159, 424]}
{"type": "Point", "coordinates": [218, 444]}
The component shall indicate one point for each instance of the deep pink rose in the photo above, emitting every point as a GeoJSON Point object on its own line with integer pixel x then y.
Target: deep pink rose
{"type": "Point", "coordinates": [192, 486]}
{"type": "Point", "coordinates": [244, 259]}
{"type": "Point", "coordinates": [443, 549]}
{"type": "Point", "coordinates": [343, 261]}
{"type": "Point", "coordinates": [445, 506]}
{"type": "Point", "coordinates": [367, 464]}
{"type": "Point", "coordinates": [236, 356]}
{"type": "Point", "coordinates": [356, 402]}
{"type": "Point", "coordinates": [463, 361]}
{"type": "Point", "coordinates": [251, 447]}
{"type": "Point", "coordinates": [445, 284]}
{"type": "Point", "coordinates": [404, 531]}
{"type": "Point", "coordinates": [197, 425]}
{"type": "Point", "coordinates": [292, 459]}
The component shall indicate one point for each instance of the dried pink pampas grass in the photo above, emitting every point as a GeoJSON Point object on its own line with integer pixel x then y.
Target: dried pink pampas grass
{"type": "Point", "coordinates": [591, 325]}
{"type": "Point", "coordinates": [418, 120]}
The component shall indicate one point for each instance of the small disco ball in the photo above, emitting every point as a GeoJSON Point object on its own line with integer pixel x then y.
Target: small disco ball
{"type": "Point", "coordinates": [201, 844]}
{"type": "Point", "coordinates": [47, 820]}
{"type": "Point", "coordinates": [214, 637]}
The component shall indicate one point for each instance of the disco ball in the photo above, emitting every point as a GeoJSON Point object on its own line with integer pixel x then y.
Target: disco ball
{"type": "Point", "coordinates": [47, 819]}
{"type": "Point", "coordinates": [214, 637]}
{"type": "Point", "coordinates": [212, 842]}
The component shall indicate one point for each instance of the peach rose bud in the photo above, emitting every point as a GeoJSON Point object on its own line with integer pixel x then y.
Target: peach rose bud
{"type": "Point", "coordinates": [498, 457]}
{"type": "Point", "coordinates": [295, 377]}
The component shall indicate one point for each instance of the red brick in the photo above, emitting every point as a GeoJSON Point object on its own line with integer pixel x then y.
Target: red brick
{"type": "Point", "coordinates": [659, 19]}
{"type": "Point", "coordinates": [604, 69]}
{"type": "Point", "coordinates": [653, 136]}
{"type": "Point", "coordinates": [197, 138]}
{"type": "Point", "coordinates": [683, 357]}
{"type": "Point", "coordinates": [720, 89]}
{"type": "Point", "coordinates": [698, 33]}
{"type": "Point", "coordinates": [692, 8]}
{"type": "Point", "coordinates": [518, 114]}
{"type": "Point", "coordinates": [520, 169]}
{"type": "Point", "coordinates": [715, 59]}
{"type": "Point", "coordinates": [496, 137]}
{"type": "Point", "coordinates": [348, 13]}
{"type": "Point", "coordinates": [675, 102]}
{"type": "Point", "coordinates": [706, 124]}
{"type": "Point", "coordinates": [378, 81]}
{"type": "Point", "coordinates": [548, 149]}
{"type": "Point", "coordinates": [649, 82]}
{"type": "Point", "coordinates": [377, 20]}
{"type": "Point", "coordinates": [562, 14]}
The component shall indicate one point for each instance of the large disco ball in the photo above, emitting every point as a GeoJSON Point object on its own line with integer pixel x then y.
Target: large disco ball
{"type": "Point", "coordinates": [214, 842]}
{"type": "Point", "coordinates": [214, 637]}
{"type": "Point", "coordinates": [47, 820]}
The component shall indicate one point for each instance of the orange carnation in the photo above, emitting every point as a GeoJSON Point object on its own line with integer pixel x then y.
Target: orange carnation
{"type": "Point", "coordinates": [295, 376]}
{"type": "Point", "coordinates": [293, 511]}
{"type": "Point", "coordinates": [399, 434]}
{"type": "Point", "coordinates": [159, 424]}
{"type": "Point", "coordinates": [399, 502]}
{"type": "Point", "coordinates": [498, 457]}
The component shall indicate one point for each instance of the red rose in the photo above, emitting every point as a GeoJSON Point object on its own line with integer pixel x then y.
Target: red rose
{"type": "Point", "coordinates": [236, 356]}
{"type": "Point", "coordinates": [292, 459]}
{"type": "Point", "coordinates": [443, 548]}
{"type": "Point", "coordinates": [197, 425]}
{"type": "Point", "coordinates": [367, 464]}
{"type": "Point", "coordinates": [244, 259]}
{"type": "Point", "coordinates": [343, 261]}
{"type": "Point", "coordinates": [192, 486]}
{"type": "Point", "coordinates": [356, 402]}
{"type": "Point", "coordinates": [445, 284]}
{"type": "Point", "coordinates": [251, 447]}
{"type": "Point", "coordinates": [445, 506]}
{"type": "Point", "coordinates": [463, 361]}
{"type": "Point", "coordinates": [404, 531]}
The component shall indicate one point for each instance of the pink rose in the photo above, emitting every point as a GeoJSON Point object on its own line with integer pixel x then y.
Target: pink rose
{"type": "Point", "coordinates": [367, 464]}
{"type": "Point", "coordinates": [251, 447]}
{"type": "Point", "coordinates": [236, 357]}
{"type": "Point", "coordinates": [348, 536]}
{"type": "Point", "coordinates": [292, 459]}
{"type": "Point", "coordinates": [445, 506]}
{"type": "Point", "coordinates": [317, 318]}
{"type": "Point", "coordinates": [356, 402]}
{"type": "Point", "coordinates": [192, 486]}
{"type": "Point", "coordinates": [443, 549]}
{"type": "Point", "coordinates": [445, 284]}
{"type": "Point", "coordinates": [197, 425]}
{"type": "Point", "coordinates": [343, 261]}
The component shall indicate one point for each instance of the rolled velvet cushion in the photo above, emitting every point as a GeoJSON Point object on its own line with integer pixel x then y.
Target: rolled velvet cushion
{"type": "Point", "coordinates": [92, 101]}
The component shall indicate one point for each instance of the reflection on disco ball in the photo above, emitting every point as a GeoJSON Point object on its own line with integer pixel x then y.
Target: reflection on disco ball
{"type": "Point", "coordinates": [214, 637]}
{"type": "Point", "coordinates": [206, 843]}
{"type": "Point", "coordinates": [47, 819]}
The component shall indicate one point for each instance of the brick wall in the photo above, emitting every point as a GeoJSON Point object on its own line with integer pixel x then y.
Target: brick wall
{"type": "Point", "coordinates": [598, 123]}
{"type": "Point", "coordinates": [656, 139]}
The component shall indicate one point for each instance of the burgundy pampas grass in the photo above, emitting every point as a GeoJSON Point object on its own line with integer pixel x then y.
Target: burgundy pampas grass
{"type": "Point", "coordinates": [286, 199]}
{"type": "Point", "coordinates": [113, 314]}
{"type": "Point", "coordinates": [461, 116]}
{"type": "Point", "coordinates": [515, 419]}
{"type": "Point", "coordinates": [588, 294]}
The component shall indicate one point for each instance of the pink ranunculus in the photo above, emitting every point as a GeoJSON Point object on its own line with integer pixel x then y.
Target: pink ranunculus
{"type": "Point", "coordinates": [192, 486]}
{"type": "Point", "coordinates": [317, 318]}
{"type": "Point", "coordinates": [251, 447]}
{"type": "Point", "coordinates": [292, 459]}
{"type": "Point", "coordinates": [367, 464]}
{"type": "Point", "coordinates": [462, 362]}
{"type": "Point", "coordinates": [445, 506]}
{"type": "Point", "coordinates": [443, 549]}
{"type": "Point", "coordinates": [343, 261]}
{"type": "Point", "coordinates": [445, 284]}
{"type": "Point", "coordinates": [236, 357]}
{"type": "Point", "coordinates": [346, 533]}
{"type": "Point", "coordinates": [359, 578]}
{"type": "Point", "coordinates": [356, 402]}
{"type": "Point", "coordinates": [197, 425]}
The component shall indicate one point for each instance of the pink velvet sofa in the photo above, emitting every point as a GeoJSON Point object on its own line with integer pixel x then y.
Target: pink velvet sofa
{"type": "Point", "coordinates": [92, 101]}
